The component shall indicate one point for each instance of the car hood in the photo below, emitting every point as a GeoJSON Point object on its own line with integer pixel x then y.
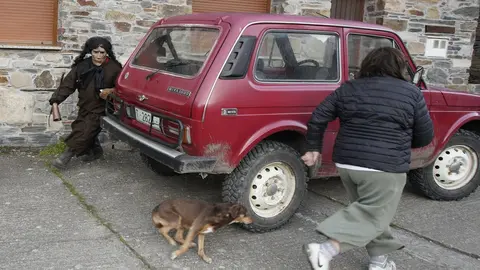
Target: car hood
{"type": "Point", "coordinates": [458, 98]}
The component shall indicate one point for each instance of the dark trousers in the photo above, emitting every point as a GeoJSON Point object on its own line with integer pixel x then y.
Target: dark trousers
{"type": "Point", "coordinates": [85, 130]}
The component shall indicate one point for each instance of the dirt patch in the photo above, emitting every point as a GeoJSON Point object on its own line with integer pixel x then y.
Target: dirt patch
{"type": "Point", "coordinates": [221, 152]}
{"type": "Point", "coordinates": [423, 155]}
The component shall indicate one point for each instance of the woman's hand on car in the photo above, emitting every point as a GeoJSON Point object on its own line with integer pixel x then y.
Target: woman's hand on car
{"type": "Point", "coordinates": [311, 158]}
{"type": "Point", "coordinates": [105, 92]}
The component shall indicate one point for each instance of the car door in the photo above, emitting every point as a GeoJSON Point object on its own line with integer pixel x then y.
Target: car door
{"type": "Point", "coordinates": [295, 68]}
{"type": "Point", "coordinates": [359, 42]}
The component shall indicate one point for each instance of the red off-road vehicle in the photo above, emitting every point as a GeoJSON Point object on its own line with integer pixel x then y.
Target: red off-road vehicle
{"type": "Point", "coordinates": [231, 94]}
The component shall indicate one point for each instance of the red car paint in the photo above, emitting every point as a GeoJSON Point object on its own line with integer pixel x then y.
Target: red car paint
{"type": "Point", "coordinates": [266, 109]}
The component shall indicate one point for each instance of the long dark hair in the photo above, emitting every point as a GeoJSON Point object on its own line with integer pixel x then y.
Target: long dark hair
{"type": "Point", "coordinates": [384, 61]}
{"type": "Point", "coordinates": [93, 43]}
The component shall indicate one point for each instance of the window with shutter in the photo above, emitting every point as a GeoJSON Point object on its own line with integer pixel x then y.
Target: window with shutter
{"type": "Point", "coordinates": [348, 9]}
{"type": "Point", "coordinates": [255, 6]}
{"type": "Point", "coordinates": [249, 6]}
{"type": "Point", "coordinates": [28, 22]}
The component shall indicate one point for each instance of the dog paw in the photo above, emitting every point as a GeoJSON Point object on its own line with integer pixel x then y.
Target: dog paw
{"type": "Point", "coordinates": [207, 259]}
{"type": "Point", "coordinates": [192, 245]}
{"type": "Point", "coordinates": [173, 243]}
{"type": "Point", "coordinates": [174, 255]}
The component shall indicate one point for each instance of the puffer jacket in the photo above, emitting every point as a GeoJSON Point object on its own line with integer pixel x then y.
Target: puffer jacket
{"type": "Point", "coordinates": [381, 119]}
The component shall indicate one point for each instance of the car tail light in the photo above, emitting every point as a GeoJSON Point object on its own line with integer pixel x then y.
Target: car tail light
{"type": "Point", "coordinates": [130, 111]}
{"type": "Point", "coordinates": [172, 129]}
{"type": "Point", "coordinates": [116, 107]}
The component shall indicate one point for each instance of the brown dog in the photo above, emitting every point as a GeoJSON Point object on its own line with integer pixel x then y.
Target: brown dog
{"type": "Point", "coordinates": [199, 217]}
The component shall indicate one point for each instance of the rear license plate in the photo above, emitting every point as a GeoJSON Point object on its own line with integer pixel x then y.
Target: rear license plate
{"type": "Point", "coordinates": [145, 117]}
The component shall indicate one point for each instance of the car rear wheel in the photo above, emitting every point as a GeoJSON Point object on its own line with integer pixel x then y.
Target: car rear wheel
{"type": "Point", "coordinates": [156, 166]}
{"type": "Point", "coordinates": [454, 174]}
{"type": "Point", "coordinates": [271, 181]}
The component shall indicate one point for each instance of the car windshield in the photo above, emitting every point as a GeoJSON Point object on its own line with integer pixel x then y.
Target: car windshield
{"type": "Point", "coordinates": [179, 50]}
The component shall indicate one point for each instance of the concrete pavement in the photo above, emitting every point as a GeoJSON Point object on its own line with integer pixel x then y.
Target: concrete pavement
{"type": "Point", "coordinates": [97, 215]}
{"type": "Point", "coordinates": [44, 226]}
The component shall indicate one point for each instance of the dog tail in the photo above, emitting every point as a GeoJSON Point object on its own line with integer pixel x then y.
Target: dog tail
{"type": "Point", "coordinates": [157, 220]}
{"type": "Point", "coordinates": [156, 208]}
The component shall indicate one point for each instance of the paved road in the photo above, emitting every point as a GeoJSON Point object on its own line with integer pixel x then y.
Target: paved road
{"type": "Point", "coordinates": [98, 216]}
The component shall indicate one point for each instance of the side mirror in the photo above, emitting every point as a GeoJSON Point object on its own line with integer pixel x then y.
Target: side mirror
{"type": "Point", "coordinates": [418, 75]}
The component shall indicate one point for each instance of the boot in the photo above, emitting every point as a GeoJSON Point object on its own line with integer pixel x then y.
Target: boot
{"type": "Point", "coordinates": [95, 153]}
{"type": "Point", "coordinates": [62, 161]}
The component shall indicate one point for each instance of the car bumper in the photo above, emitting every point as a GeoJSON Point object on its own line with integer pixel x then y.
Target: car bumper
{"type": "Point", "coordinates": [178, 161]}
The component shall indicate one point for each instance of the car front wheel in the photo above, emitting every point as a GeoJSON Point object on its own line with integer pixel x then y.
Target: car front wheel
{"type": "Point", "coordinates": [271, 181]}
{"type": "Point", "coordinates": [454, 174]}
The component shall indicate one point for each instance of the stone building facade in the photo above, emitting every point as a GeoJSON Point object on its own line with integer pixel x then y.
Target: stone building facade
{"type": "Point", "coordinates": [28, 75]}
{"type": "Point", "coordinates": [454, 21]}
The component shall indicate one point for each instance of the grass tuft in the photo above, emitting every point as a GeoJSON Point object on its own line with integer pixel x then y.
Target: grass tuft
{"type": "Point", "coordinates": [53, 149]}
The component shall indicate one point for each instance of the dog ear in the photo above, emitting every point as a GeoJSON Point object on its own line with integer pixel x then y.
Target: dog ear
{"type": "Point", "coordinates": [220, 209]}
{"type": "Point", "coordinates": [217, 209]}
{"type": "Point", "coordinates": [235, 210]}
{"type": "Point", "coordinates": [219, 212]}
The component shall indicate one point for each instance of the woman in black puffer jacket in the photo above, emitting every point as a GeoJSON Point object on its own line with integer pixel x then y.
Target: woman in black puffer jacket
{"type": "Point", "coordinates": [382, 116]}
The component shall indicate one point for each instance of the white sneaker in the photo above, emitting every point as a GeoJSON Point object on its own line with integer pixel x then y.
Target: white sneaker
{"type": "Point", "coordinates": [317, 259]}
{"type": "Point", "coordinates": [389, 265]}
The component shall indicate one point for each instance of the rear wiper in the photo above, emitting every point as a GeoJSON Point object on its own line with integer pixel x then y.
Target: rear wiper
{"type": "Point", "coordinates": [176, 63]}
{"type": "Point", "coordinates": [149, 76]}
{"type": "Point", "coordinates": [168, 64]}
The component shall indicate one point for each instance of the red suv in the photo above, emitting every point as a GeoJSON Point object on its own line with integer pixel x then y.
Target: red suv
{"type": "Point", "coordinates": [231, 94]}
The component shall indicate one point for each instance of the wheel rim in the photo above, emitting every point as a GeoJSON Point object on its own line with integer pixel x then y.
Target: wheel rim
{"type": "Point", "coordinates": [455, 167]}
{"type": "Point", "coordinates": [272, 189]}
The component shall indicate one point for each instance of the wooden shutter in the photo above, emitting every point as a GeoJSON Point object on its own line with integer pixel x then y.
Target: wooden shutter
{"type": "Point", "coordinates": [250, 6]}
{"type": "Point", "coordinates": [28, 22]}
{"type": "Point", "coordinates": [348, 9]}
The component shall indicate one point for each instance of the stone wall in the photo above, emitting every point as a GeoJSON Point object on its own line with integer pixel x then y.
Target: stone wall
{"type": "Point", "coordinates": [28, 76]}
{"type": "Point", "coordinates": [416, 20]}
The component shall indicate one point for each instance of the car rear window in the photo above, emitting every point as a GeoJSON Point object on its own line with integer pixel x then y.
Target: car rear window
{"type": "Point", "coordinates": [178, 50]}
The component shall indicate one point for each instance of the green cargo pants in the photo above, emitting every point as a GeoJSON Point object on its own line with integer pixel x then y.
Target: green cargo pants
{"type": "Point", "coordinates": [374, 198]}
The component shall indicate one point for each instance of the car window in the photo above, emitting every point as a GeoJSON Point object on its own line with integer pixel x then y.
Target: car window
{"type": "Point", "coordinates": [294, 56]}
{"type": "Point", "coordinates": [409, 72]}
{"type": "Point", "coordinates": [359, 46]}
{"type": "Point", "coordinates": [270, 53]}
{"type": "Point", "coordinates": [178, 50]}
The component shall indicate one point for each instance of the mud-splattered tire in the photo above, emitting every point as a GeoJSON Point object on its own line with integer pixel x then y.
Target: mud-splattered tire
{"type": "Point", "coordinates": [156, 166]}
{"type": "Point", "coordinates": [271, 181]}
{"type": "Point", "coordinates": [440, 182]}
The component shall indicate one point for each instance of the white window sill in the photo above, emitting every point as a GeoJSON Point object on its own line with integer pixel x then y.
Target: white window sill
{"type": "Point", "coordinates": [31, 47]}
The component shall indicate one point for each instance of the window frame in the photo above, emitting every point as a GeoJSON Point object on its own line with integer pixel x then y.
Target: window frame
{"type": "Point", "coordinates": [294, 31]}
{"type": "Point", "coordinates": [365, 35]}
{"type": "Point", "coordinates": [394, 43]}
{"type": "Point", "coordinates": [432, 52]}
